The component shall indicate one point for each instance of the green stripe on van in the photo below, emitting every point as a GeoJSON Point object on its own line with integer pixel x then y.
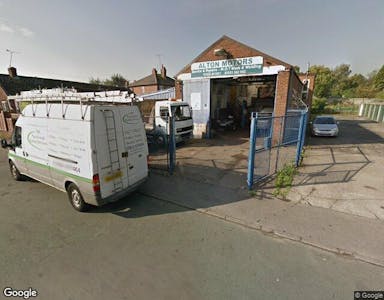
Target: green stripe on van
{"type": "Point", "coordinates": [61, 172]}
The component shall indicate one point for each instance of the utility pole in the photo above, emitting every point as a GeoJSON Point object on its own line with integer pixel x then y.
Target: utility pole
{"type": "Point", "coordinates": [11, 52]}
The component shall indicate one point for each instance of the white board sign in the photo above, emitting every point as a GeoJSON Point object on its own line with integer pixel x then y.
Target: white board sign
{"type": "Point", "coordinates": [196, 101]}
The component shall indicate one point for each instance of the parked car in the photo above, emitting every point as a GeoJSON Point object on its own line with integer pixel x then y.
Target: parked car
{"type": "Point", "coordinates": [324, 126]}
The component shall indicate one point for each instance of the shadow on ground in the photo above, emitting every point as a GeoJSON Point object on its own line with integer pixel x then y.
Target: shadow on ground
{"type": "Point", "coordinates": [331, 165]}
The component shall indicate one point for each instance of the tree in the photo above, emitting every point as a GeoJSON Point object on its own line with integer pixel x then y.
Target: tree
{"type": "Point", "coordinates": [95, 80]}
{"type": "Point", "coordinates": [116, 80]}
{"type": "Point", "coordinates": [379, 79]}
{"type": "Point", "coordinates": [341, 80]}
{"type": "Point", "coordinates": [324, 80]}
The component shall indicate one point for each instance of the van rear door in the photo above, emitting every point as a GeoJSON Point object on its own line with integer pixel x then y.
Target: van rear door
{"type": "Point", "coordinates": [135, 143]}
{"type": "Point", "coordinates": [110, 150]}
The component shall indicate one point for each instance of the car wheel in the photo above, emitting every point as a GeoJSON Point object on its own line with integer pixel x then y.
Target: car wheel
{"type": "Point", "coordinates": [15, 172]}
{"type": "Point", "coordinates": [76, 198]}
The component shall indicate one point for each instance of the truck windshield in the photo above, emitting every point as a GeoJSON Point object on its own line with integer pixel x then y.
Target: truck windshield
{"type": "Point", "coordinates": [181, 112]}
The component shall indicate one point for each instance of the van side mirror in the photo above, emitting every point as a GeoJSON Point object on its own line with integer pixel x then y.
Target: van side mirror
{"type": "Point", "coordinates": [338, 123]}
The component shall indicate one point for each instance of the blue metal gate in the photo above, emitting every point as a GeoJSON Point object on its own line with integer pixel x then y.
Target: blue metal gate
{"type": "Point", "coordinates": [274, 143]}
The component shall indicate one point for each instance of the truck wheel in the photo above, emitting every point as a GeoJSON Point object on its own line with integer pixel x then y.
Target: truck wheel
{"type": "Point", "coordinates": [160, 140]}
{"type": "Point", "coordinates": [76, 198]}
{"type": "Point", "coordinates": [15, 172]}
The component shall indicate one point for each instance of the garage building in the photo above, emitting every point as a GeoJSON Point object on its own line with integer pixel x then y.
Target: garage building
{"type": "Point", "coordinates": [231, 79]}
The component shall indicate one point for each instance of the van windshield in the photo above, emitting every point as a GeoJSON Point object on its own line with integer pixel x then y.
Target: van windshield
{"type": "Point", "coordinates": [181, 112]}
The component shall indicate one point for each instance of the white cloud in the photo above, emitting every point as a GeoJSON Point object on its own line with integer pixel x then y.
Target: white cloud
{"type": "Point", "coordinates": [26, 32]}
{"type": "Point", "coordinates": [6, 28]}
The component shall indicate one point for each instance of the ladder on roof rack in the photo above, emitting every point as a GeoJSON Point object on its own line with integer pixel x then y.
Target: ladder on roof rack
{"type": "Point", "coordinates": [110, 125]}
{"type": "Point", "coordinates": [99, 98]}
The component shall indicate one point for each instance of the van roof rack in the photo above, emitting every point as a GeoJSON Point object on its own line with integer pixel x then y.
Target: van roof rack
{"type": "Point", "coordinates": [65, 96]}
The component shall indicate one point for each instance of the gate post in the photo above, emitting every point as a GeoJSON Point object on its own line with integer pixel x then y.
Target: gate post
{"type": "Point", "coordinates": [172, 145]}
{"type": "Point", "coordinates": [300, 140]}
{"type": "Point", "coordinates": [252, 149]}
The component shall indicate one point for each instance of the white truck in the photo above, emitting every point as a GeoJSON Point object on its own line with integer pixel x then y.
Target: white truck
{"type": "Point", "coordinates": [95, 152]}
{"type": "Point", "coordinates": [156, 114]}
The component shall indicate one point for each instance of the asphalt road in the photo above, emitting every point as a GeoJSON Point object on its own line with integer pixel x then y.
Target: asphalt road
{"type": "Point", "coordinates": [143, 248]}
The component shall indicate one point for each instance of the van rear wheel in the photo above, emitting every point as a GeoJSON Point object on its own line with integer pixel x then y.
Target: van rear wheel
{"type": "Point", "coordinates": [76, 198]}
{"type": "Point", "coordinates": [15, 172]}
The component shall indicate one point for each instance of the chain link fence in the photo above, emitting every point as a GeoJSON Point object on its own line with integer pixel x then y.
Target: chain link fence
{"type": "Point", "coordinates": [274, 143]}
{"type": "Point", "coordinates": [161, 143]}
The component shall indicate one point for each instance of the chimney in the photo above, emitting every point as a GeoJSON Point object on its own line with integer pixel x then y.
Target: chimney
{"type": "Point", "coordinates": [154, 72]}
{"type": "Point", "coordinates": [12, 72]}
{"type": "Point", "coordinates": [163, 71]}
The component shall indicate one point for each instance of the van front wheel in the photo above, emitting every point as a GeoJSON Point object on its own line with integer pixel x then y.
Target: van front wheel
{"type": "Point", "coordinates": [15, 172]}
{"type": "Point", "coordinates": [76, 198]}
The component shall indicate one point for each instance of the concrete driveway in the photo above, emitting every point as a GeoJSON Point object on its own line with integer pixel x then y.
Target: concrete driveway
{"type": "Point", "coordinates": [344, 173]}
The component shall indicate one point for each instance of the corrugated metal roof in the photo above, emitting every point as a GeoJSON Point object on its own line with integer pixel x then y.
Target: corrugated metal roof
{"type": "Point", "coordinates": [159, 95]}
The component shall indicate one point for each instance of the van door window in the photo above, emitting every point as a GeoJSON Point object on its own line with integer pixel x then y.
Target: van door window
{"type": "Point", "coordinates": [164, 113]}
{"type": "Point", "coordinates": [16, 137]}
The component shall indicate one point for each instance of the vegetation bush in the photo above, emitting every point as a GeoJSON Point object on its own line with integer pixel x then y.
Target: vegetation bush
{"type": "Point", "coordinates": [318, 106]}
{"type": "Point", "coordinates": [284, 179]}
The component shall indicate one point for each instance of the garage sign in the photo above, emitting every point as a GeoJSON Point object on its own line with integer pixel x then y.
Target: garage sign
{"type": "Point", "coordinates": [228, 67]}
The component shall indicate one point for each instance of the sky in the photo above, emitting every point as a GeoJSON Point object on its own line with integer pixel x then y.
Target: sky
{"type": "Point", "coordinates": [77, 40]}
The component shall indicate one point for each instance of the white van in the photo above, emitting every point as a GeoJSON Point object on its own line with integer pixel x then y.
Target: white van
{"type": "Point", "coordinates": [96, 153]}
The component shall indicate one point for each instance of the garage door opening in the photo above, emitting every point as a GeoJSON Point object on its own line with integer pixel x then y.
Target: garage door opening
{"type": "Point", "coordinates": [233, 99]}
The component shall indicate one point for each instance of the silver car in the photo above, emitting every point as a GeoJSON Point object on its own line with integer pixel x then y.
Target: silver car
{"type": "Point", "coordinates": [325, 126]}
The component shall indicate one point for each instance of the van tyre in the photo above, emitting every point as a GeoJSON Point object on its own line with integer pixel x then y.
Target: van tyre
{"type": "Point", "coordinates": [15, 172]}
{"type": "Point", "coordinates": [76, 198]}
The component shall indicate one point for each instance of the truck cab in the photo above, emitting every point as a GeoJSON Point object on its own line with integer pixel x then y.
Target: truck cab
{"type": "Point", "coordinates": [182, 113]}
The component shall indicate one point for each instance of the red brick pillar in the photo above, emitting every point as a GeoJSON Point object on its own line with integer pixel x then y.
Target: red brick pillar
{"type": "Point", "coordinates": [178, 89]}
{"type": "Point", "coordinates": [3, 122]}
{"type": "Point", "coordinates": [281, 102]}
{"type": "Point", "coordinates": [9, 124]}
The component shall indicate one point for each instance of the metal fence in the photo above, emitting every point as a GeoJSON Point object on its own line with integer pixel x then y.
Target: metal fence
{"type": "Point", "coordinates": [274, 143]}
{"type": "Point", "coordinates": [161, 144]}
{"type": "Point", "coordinates": [373, 111]}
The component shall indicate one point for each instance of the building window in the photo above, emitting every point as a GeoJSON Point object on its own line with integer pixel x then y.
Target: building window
{"type": "Point", "coordinates": [164, 113]}
{"type": "Point", "coordinates": [304, 92]}
{"type": "Point", "coordinates": [16, 137]}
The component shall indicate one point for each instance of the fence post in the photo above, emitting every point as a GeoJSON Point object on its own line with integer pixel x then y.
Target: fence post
{"type": "Point", "coordinates": [172, 145]}
{"type": "Point", "coordinates": [252, 149]}
{"type": "Point", "coordinates": [361, 110]}
{"type": "Point", "coordinates": [300, 140]}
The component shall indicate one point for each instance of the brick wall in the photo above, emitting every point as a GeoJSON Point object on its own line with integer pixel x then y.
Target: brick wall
{"type": "Point", "coordinates": [178, 89]}
{"type": "Point", "coordinates": [311, 78]}
{"type": "Point", "coordinates": [296, 88]}
{"type": "Point", "coordinates": [236, 50]}
{"type": "Point", "coordinates": [9, 124]}
{"type": "Point", "coordinates": [139, 90]}
{"type": "Point", "coordinates": [281, 101]}
{"type": "Point", "coordinates": [3, 94]}
{"type": "Point", "coordinates": [282, 90]}
{"type": "Point", "coordinates": [3, 122]}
